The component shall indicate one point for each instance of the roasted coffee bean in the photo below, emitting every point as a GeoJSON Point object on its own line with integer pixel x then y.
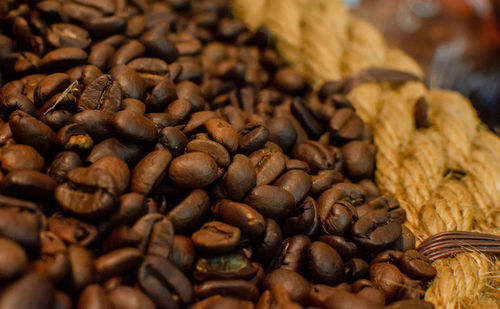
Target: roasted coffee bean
{"type": "Point", "coordinates": [71, 230]}
{"type": "Point", "coordinates": [325, 263]}
{"type": "Point", "coordinates": [293, 255]}
{"type": "Point", "coordinates": [191, 92]}
{"type": "Point", "coordinates": [172, 139]}
{"type": "Point", "coordinates": [161, 96]}
{"type": "Point", "coordinates": [160, 46]}
{"type": "Point", "coordinates": [277, 298]}
{"type": "Point", "coordinates": [63, 58]}
{"type": "Point", "coordinates": [218, 301]}
{"type": "Point", "coordinates": [324, 180]}
{"type": "Point", "coordinates": [150, 171]}
{"type": "Point", "coordinates": [228, 266]}
{"type": "Point", "coordinates": [271, 201]}
{"type": "Point", "coordinates": [216, 237]}
{"type": "Point", "coordinates": [417, 266]}
{"type": "Point", "coordinates": [127, 52]}
{"type": "Point", "coordinates": [289, 81]}
{"type": "Point", "coordinates": [117, 168]}
{"type": "Point", "coordinates": [127, 151]}
{"type": "Point", "coordinates": [31, 131]}
{"type": "Point", "coordinates": [390, 256]}
{"type": "Point", "coordinates": [420, 115]}
{"type": "Point", "coordinates": [319, 157]}
{"type": "Point", "coordinates": [410, 304]}
{"type": "Point", "coordinates": [130, 104]}
{"type": "Point", "coordinates": [183, 253]}
{"type": "Point", "coordinates": [96, 123]}
{"type": "Point", "coordinates": [345, 125]}
{"type": "Point", "coordinates": [304, 220]}
{"type": "Point", "coordinates": [94, 297]}
{"type": "Point", "coordinates": [247, 219]}
{"type": "Point", "coordinates": [164, 283]}
{"type": "Point", "coordinates": [297, 182]}
{"type": "Point", "coordinates": [197, 120]}
{"type": "Point", "coordinates": [10, 103]}
{"type": "Point", "coordinates": [161, 238]}
{"type": "Point", "coordinates": [239, 178]}
{"type": "Point", "coordinates": [271, 242]}
{"type": "Point", "coordinates": [117, 262]}
{"type": "Point", "coordinates": [134, 126]}
{"type": "Point", "coordinates": [237, 288]}
{"type": "Point", "coordinates": [387, 278]}
{"type": "Point", "coordinates": [359, 159]}
{"type": "Point", "coordinates": [355, 269]}
{"type": "Point", "coordinates": [193, 170]}
{"type": "Point", "coordinates": [346, 300]}
{"type": "Point", "coordinates": [253, 137]}
{"type": "Point", "coordinates": [124, 297]}
{"type": "Point", "coordinates": [374, 231]}
{"type": "Point", "coordinates": [89, 192]}
{"type": "Point", "coordinates": [282, 132]}
{"type": "Point", "coordinates": [130, 82]}
{"type": "Point", "coordinates": [223, 133]}
{"type": "Point", "coordinates": [55, 266]}
{"type": "Point", "coordinates": [104, 93]}
{"type": "Point", "coordinates": [345, 248]}
{"type": "Point", "coordinates": [28, 183]}
{"type": "Point", "coordinates": [178, 111]}
{"type": "Point", "coordinates": [30, 289]}
{"type": "Point", "coordinates": [373, 295]}
{"type": "Point", "coordinates": [67, 35]}
{"type": "Point", "coordinates": [73, 137]}
{"type": "Point", "coordinates": [269, 164]}
{"type": "Point", "coordinates": [188, 213]}
{"type": "Point", "coordinates": [82, 269]}
{"type": "Point", "coordinates": [307, 119]}
{"type": "Point", "coordinates": [105, 26]}
{"type": "Point", "coordinates": [297, 287]}
{"type": "Point", "coordinates": [21, 157]}
{"type": "Point", "coordinates": [213, 149]}
{"type": "Point", "coordinates": [100, 55]}
{"type": "Point", "coordinates": [13, 259]}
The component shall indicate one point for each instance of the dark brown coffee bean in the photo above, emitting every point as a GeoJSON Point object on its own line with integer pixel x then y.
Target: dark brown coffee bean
{"type": "Point", "coordinates": [271, 201]}
{"type": "Point", "coordinates": [373, 295]}
{"type": "Point", "coordinates": [127, 52]}
{"type": "Point", "coordinates": [387, 278]}
{"type": "Point", "coordinates": [325, 263]}
{"type": "Point", "coordinates": [282, 132]}
{"type": "Point", "coordinates": [228, 266]}
{"type": "Point", "coordinates": [82, 269]}
{"type": "Point", "coordinates": [189, 213]}
{"type": "Point", "coordinates": [289, 81]}
{"type": "Point", "coordinates": [104, 94]}
{"type": "Point", "coordinates": [417, 266]}
{"type": "Point", "coordinates": [130, 82]}
{"type": "Point", "coordinates": [345, 248]}
{"type": "Point", "coordinates": [154, 66]}
{"type": "Point", "coordinates": [161, 239]}
{"type": "Point", "coordinates": [293, 253]}
{"type": "Point", "coordinates": [74, 137]}
{"type": "Point", "coordinates": [133, 105]}
{"type": "Point", "coordinates": [271, 242]}
{"type": "Point", "coordinates": [75, 198]}
{"type": "Point", "coordinates": [62, 301]}
{"type": "Point", "coordinates": [31, 131]}
{"type": "Point", "coordinates": [346, 300]}
{"type": "Point", "coordinates": [178, 111]}
{"type": "Point", "coordinates": [329, 88]}
{"type": "Point", "coordinates": [135, 126]}
{"type": "Point", "coordinates": [105, 26]}
{"type": "Point", "coordinates": [355, 269]}
{"type": "Point", "coordinates": [100, 55]}
{"type": "Point", "coordinates": [297, 182]}
{"type": "Point", "coordinates": [160, 46]}
{"type": "Point", "coordinates": [359, 159]}
{"type": "Point", "coordinates": [13, 260]}
{"type": "Point", "coordinates": [247, 219]}
{"type": "Point", "coordinates": [63, 58]}
{"type": "Point", "coordinates": [374, 231]}
{"type": "Point", "coordinates": [71, 230]}
{"type": "Point", "coordinates": [127, 151]}
{"type": "Point", "coordinates": [318, 156]}
{"type": "Point", "coordinates": [20, 157]}
{"type": "Point", "coordinates": [96, 123]}
{"type": "Point", "coordinates": [10, 103]}
{"type": "Point", "coordinates": [124, 297]}
{"type": "Point", "coordinates": [164, 283]}
{"type": "Point", "coordinates": [28, 290]}
{"type": "Point", "coordinates": [223, 133]}
{"type": "Point", "coordinates": [55, 266]}
{"type": "Point", "coordinates": [197, 120]}
{"type": "Point", "coordinates": [162, 95]}
{"type": "Point", "coordinates": [67, 35]}
{"type": "Point", "coordinates": [218, 301]}
{"type": "Point", "coordinates": [269, 164]}
{"type": "Point", "coordinates": [304, 219]}
{"type": "Point", "coordinates": [297, 287]}
{"type": "Point", "coordinates": [345, 125]}
{"type": "Point", "coordinates": [94, 297]}
{"type": "Point", "coordinates": [172, 139]}
{"type": "Point", "coordinates": [149, 172]}
{"type": "Point", "coordinates": [253, 137]}
{"type": "Point", "coordinates": [193, 170]}
{"type": "Point", "coordinates": [213, 149]}
{"type": "Point", "coordinates": [238, 288]}
{"type": "Point", "coordinates": [216, 237]}
{"type": "Point", "coordinates": [28, 183]}
{"type": "Point", "coordinates": [117, 168]}
{"type": "Point", "coordinates": [191, 92]}
{"type": "Point", "coordinates": [307, 119]}
{"type": "Point", "coordinates": [390, 256]}
{"type": "Point", "coordinates": [117, 262]}
{"type": "Point", "coordinates": [183, 253]}
{"type": "Point", "coordinates": [239, 178]}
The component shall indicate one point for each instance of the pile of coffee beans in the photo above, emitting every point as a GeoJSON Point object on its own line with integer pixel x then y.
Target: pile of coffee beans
{"type": "Point", "coordinates": [158, 154]}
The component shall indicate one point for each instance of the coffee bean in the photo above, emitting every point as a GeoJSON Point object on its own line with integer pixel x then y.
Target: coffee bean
{"type": "Point", "coordinates": [359, 159]}
{"type": "Point", "coordinates": [117, 262]}
{"type": "Point", "coordinates": [237, 288]}
{"type": "Point", "coordinates": [345, 125]}
{"type": "Point", "coordinates": [345, 300]}
{"type": "Point", "coordinates": [268, 164]}
{"type": "Point", "coordinates": [239, 178]}
{"type": "Point", "coordinates": [271, 242]}
{"type": "Point", "coordinates": [82, 269]}
{"type": "Point", "coordinates": [213, 149]}
{"type": "Point", "coordinates": [31, 131]}
{"type": "Point", "coordinates": [345, 248]}
{"type": "Point", "coordinates": [253, 137]}
{"type": "Point", "coordinates": [105, 26]}
{"type": "Point", "coordinates": [178, 111]}
{"type": "Point", "coordinates": [55, 266]}
{"type": "Point", "coordinates": [149, 172]}
{"type": "Point", "coordinates": [28, 290]}
{"type": "Point", "coordinates": [64, 57]}
{"type": "Point", "coordinates": [130, 82]}
{"type": "Point", "coordinates": [71, 230]}
{"type": "Point", "coordinates": [10, 103]}
{"type": "Point", "coordinates": [161, 238]}
{"type": "Point", "coordinates": [162, 95]}
{"type": "Point", "coordinates": [387, 278]}
{"type": "Point", "coordinates": [282, 132]}
{"type": "Point", "coordinates": [134, 126]}
{"type": "Point", "coordinates": [28, 183]}
{"type": "Point", "coordinates": [21, 157]}
{"type": "Point", "coordinates": [319, 157]}
{"type": "Point", "coordinates": [223, 133]}
{"type": "Point", "coordinates": [74, 137]}
{"type": "Point", "coordinates": [124, 297]}
{"type": "Point", "coordinates": [134, 105]}
{"type": "Point", "coordinates": [271, 201]}
{"type": "Point", "coordinates": [373, 295]}
{"type": "Point", "coordinates": [297, 182]}
{"type": "Point", "coordinates": [188, 213]}
{"type": "Point", "coordinates": [297, 287]}
{"type": "Point", "coordinates": [374, 231]}
{"type": "Point", "coordinates": [290, 81]}
{"type": "Point", "coordinates": [216, 237]}
{"type": "Point", "coordinates": [222, 303]}
{"type": "Point", "coordinates": [304, 219]}
{"type": "Point", "coordinates": [127, 52]}
{"type": "Point", "coordinates": [96, 123]}
{"type": "Point", "coordinates": [13, 260]}
{"type": "Point", "coordinates": [94, 296]}
{"type": "Point", "coordinates": [100, 55]}
{"type": "Point", "coordinates": [193, 170]}
{"type": "Point", "coordinates": [247, 219]}
{"type": "Point", "coordinates": [307, 119]}
{"type": "Point", "coordinates": [104, 93]}
{"type": "Point", "coordinates": [117, 168]}
{"type": "Point", "coordinates": [172, 139]}
{"type": "Point", "coordinates": [410, 304]}
{"type": "Point", "coordinates": [126, 151]}
{"type": "Point", "coordinates": [67, 35]}
{"type": "Point", "coordinates": [325, 263]}
{"type": "Point", "coordinates": [228, 266]}
{"type": "Point", "coordinates": [164, 283]}
{"type": "Point", "coordinates": [74, 197]}
{"type": "Point", "coordinates": [355, 269]}
{"type": "Point", "coordinates": [183, 253]}
{"type": "Point", "coordinates": [417, 266]}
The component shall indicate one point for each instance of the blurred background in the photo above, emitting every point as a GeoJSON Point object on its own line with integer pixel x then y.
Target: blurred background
{"type": "Point", "coordinates": [457, 42]}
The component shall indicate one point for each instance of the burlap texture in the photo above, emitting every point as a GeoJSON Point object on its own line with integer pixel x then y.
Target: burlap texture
{"type": "Point", "coordinates": [447, 177]}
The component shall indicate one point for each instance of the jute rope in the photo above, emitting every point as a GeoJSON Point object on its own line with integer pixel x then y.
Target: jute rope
{"type": "Point", "coordinates": [447, 176]}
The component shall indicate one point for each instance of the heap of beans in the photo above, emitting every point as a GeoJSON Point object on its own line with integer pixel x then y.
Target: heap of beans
{"type": "Point", "coordinates": [158, 154]}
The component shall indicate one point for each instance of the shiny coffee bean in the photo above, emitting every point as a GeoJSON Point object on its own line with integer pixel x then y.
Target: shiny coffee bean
{"type": "Point", "coordinates": [186, 215]}
{"type": "Point", "coordinates": [247, 219]}
{"type": "Point", "coordinates": [30, 289]}
{"type": "Point", "coordinates": [216, 237]}
{"type": "Point", "coordinates": [193, 170]}
{"type": "Point", "coordinates": [417, 266]}
{"type": "Point", "coordinates": [13, 260]}
{"type": "Point", "coordinates": [228, 266]}
{"type": "Point", "coordinates": [237, 288]}
{"type": "Point", "coordinates": [297, 287]}
{"type": "Point", "coordinates": [325, 263]}
{"type": "Point", "coordinates": [150, 171]}
{"type": "Point", "coordinates": [374, 231]}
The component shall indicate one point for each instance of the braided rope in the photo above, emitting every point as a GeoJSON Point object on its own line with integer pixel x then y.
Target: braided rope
{"type": "Point", "coordinates": [447, 177]}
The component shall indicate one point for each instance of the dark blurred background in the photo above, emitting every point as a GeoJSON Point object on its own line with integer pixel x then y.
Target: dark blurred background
{"type": "Point", "coordinates": [457, 42]}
